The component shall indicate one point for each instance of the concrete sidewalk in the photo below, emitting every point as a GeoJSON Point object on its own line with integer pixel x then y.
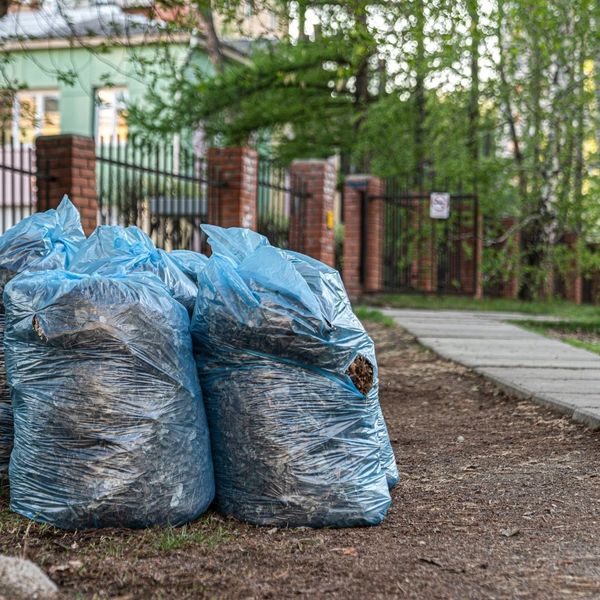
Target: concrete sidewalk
{"type": "Point", "coordinates": [525, 363]}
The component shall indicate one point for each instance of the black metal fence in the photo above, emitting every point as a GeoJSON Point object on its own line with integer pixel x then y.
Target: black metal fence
{"type": "Point", "coordinates": [19, 181]}
{"type": "Point", "coordinates": [162, 188]}
{"type": "Point", "coordinates": [422, 253]}
{"type": "Point", "coordinates": [281, 205]}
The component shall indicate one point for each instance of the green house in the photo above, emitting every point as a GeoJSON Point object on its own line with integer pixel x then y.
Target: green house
{"type": "Point", "coordinates": [73, 70]}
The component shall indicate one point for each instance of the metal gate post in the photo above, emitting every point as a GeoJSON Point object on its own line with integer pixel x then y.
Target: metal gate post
{"type": "Point", "coordinates": [477, 251]}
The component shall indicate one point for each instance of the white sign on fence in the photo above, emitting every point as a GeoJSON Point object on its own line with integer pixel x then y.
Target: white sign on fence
{"type": "Point", "coordinates": [439, 205]}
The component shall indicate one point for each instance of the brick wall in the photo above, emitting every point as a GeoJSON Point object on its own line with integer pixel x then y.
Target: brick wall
{"type": "Point", "coordinates": [360, 189]}
{"type": "Point", "coordinates": [70, 160]}
{"type": "Point", "coordinates": [375, 224]}
{"type": "Point", "coordinates": [233, 189]}
{"type": "Point", "coordinates": [425, 265]}
{"type": "Point", "coordinates": [318, 179]}
{"type": "Point", "coordinates": [354, 189]}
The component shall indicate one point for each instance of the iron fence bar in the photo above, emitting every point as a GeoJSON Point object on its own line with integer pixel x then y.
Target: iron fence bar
{"type": "Point", "coordinates": [156, 171]}
{"type": "Point", "coordinates": [3, 177]}
{"type": "Point", "coordinates": [13, 179]}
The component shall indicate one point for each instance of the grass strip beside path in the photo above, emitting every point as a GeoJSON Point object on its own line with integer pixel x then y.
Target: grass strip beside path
{"type": "Point", "coordinates": [364, 313]}
{"type": "Point", "coordinates": [559, 308]}
{"type": "Point", "coordinates": [581, 334]}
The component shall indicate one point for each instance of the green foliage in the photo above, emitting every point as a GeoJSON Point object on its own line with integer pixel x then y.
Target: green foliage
{"type": "Point", "coordinates": [559, 308]}
{"type": "Point", "coordinates": [500, 97]}
{"type": "Point", "coordinates": [178, 538]}
{"type": "Point", "coordinates": [579, 333]}
{"type": "Point", "coordinates": [364, 313]}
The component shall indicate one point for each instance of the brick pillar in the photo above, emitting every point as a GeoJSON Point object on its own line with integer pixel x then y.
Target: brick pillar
{"type": "Point", "coordinates": [357, 191]}
{"type": "Point", "coordinates": [469, 247]}
{"type": "Point", "coordinates": [317, 179]}
{"type": "Point", "coordinates": [233, 186]}
{"type": "Point", "coordinates": [425, 268]}
{"type": "Point", "coordinates": [69, 161]}
{"type": "Point", "coordinates": [354, 189]}
{"type": "Point", "coordinates": [572, 279]}
{"type": "Point", "coordinates": [374, 266]}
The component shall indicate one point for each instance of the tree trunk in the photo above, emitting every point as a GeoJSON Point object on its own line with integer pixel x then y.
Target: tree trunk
{"type": "Point", "coordinates": [420, 106]}
{"type": "Point", "coordinates": [361, 93]}
{"type": "Point", "coordinates": [473, 131]}
{"type": "Point", "coordinates": [213, 43]}
{"type": "Point", "coordinates": [302, 22]}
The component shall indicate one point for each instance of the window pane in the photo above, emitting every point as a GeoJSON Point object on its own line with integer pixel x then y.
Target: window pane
{"type": "Point", "coordinates": [51, 116]}
{"type": "Point", "coordinates": [27, 115]}
{"type": "Point", "coordinates": [111, 116]}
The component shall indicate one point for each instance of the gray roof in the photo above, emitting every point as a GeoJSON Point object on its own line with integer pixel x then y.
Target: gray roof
{"type": "Point", "coordinates": [56, 22]}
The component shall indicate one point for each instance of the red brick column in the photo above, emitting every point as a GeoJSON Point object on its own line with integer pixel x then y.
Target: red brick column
{"type": "Point", "coordinates": [354, 188]}
{"type": "Point", "coordinates": [70, 163]}
{"type": "Point", "coordinates": [425, 269]}
{"type": "Point", "coordinates": [358, 191]}
{"type": "Point", "coordinates": [469, 247]}
{"type": "Point", "coordinates": [374, 267]}
{"type": "Point", "coordinates": [232, 191]}
{"type": "Point", "coordinates": [315, 229]}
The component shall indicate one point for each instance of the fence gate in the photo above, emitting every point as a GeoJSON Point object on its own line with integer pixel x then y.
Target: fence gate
{"type": "Point", "coordinates": [161, 188]}
{"type": "Point", "coordinates": [20, 180]}
{"type": "Point", "coordinates": [281, 206]}
{"type": "Point", "coordinates": [423, 254]}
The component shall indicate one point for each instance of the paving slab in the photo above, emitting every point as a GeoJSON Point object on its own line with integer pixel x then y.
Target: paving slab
{"type": "Point", "coordinates": [475, 330]}
{"type": "Point", "coordinates": [530, 365]}
{"type": "Point", "coordinates": [543, 372]}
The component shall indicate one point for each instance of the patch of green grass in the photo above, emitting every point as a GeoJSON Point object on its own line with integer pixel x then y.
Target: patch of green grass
{"type": "Point", "coordinates": [551, 328]}
{"type": "Point", "coordinates": [177, 538]}
{"type": "Point", "coordinates": [560, 308]}
{"type": "Point", "coordinates": [10, 521]}
{"type": "Point", "coordinates": [364, 313]}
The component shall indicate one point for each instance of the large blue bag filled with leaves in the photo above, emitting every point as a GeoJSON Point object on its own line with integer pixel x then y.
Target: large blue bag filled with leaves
{"type": "Point", "coordinates": [112, 249]}
{"type": "Point", "coordinates": [289, 380]}
{"type": "Point", "coordinates": [190, 262]}
{"type": "Point", "coordinates": [45, 240]}
{"type": "Point", "coordinates": [110, 429]}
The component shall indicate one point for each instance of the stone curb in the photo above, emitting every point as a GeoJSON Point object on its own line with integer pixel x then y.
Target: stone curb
{"type": "Point", "coordinates": [577, 406]}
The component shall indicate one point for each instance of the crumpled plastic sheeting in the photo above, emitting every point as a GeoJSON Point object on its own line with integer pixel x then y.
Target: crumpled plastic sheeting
{"type": "Point", "coordinates": [294, 441]}
{"type": "Point", "coordinates": [110, 429]}
{"type": "Point", "coordinates": [190, 262]}
{"type": "Point", "coordinates": [6, 416]}
{"type": "Point", "coordinates": [45, 240]}
{"type": "Point", "coordinates": [113, 249]}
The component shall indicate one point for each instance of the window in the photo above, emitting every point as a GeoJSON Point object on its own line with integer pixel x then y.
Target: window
{"type": "Point", "coordinates": [35, 112]}
{"type": "Point", "coordinates": [111, 114]}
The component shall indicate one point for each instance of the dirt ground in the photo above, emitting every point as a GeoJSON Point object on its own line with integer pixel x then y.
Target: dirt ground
{"type": "Point", "coordinates": [499, 498]}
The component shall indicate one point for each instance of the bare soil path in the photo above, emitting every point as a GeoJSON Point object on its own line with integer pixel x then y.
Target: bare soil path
{"type": "Point", "coordinates": [499, 498]}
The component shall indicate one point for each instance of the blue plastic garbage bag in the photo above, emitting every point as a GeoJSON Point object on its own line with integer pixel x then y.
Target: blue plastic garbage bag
{"type": "Point", "coordinates": [281, 358]}
{"type": "Point", "coordinates": [112, 249]}
{"type": "Point", "coordinates": [110, 429]}
{"type": "Point", "coordinates": [191, 263]}
{"type": "Point", "coordinates": [45, 240]}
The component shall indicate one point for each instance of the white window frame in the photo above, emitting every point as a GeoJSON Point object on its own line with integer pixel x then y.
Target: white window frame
{"type": "Point", "coordinates": [116, 90]}
{"type": "Point", "coordinates": [38, 96]}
